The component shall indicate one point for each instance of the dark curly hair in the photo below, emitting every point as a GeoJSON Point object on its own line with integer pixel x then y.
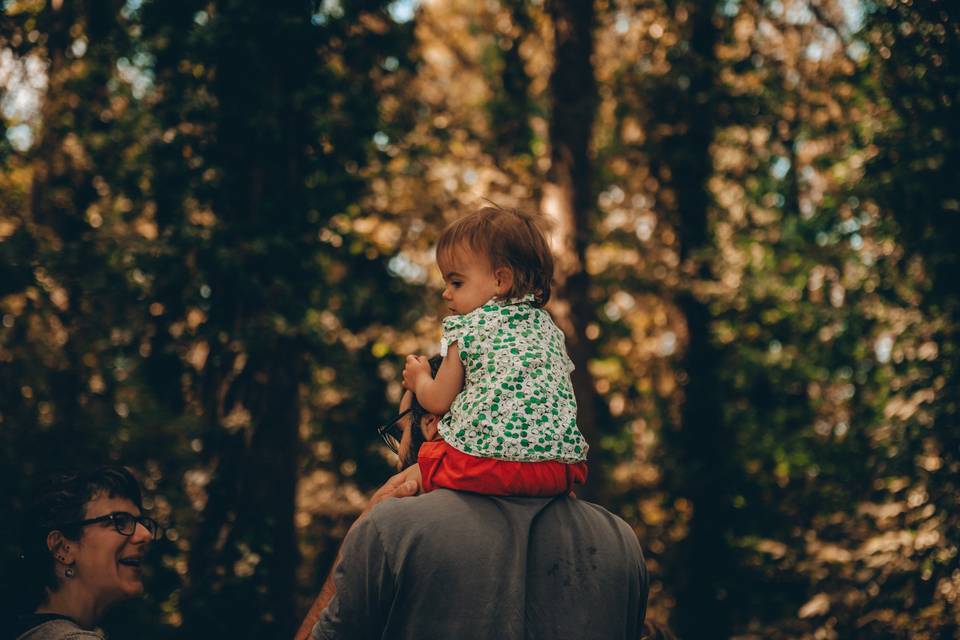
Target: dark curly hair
{"type": "Point", "coordinates": [417, 412]}
{"type": "Point", "coordinates": [61, 500]}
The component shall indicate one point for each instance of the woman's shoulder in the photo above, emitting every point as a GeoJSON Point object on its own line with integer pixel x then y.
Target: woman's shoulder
{"type": "Point", "coordinates": [46, 627]}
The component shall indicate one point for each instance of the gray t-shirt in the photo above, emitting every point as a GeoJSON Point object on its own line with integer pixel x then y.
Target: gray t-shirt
{"type": "Point", "coordinates": [58, 628]}
{"type": "Point", "coordinates": [458, 565]}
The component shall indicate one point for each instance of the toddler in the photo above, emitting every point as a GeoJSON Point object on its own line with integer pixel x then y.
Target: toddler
{"type": "Point", "coordinates": [509, 413]}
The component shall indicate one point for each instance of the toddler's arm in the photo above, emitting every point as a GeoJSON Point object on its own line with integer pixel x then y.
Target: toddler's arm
{"type": "Point", "coordinates": [434, 394]}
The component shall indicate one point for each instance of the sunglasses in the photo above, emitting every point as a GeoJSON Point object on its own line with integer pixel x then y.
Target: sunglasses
{"type": "Point", "coordinates": [125, 523]}
{"type": "Point", "coordinates": [392, 433]}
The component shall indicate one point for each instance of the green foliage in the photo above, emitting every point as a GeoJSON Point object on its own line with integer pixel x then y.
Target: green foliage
{"type": "Point", "coordinates": [215, 232]}
{"type": "Point", "coordinates": [193, 165]}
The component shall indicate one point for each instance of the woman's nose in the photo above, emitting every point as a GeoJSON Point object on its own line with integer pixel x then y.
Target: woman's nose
{"type": "Point", "coordinates": [141, 534]}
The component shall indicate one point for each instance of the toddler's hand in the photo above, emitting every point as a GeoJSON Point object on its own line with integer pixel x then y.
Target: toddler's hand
{"type": "Point", "coordinates": [415, 367]}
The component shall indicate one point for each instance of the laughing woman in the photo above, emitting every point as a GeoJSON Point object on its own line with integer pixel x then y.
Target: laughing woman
{"type": "Point", "coordinates": [83, 540]}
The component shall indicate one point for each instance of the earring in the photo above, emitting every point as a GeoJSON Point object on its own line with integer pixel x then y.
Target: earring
{"type": "Point", "coordinates": [69, 572]}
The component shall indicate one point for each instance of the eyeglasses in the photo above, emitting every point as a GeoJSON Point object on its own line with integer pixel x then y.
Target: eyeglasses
{"type": "Point", "coordinates": [392, 433]}
{"type": "Point", "coordinates": [125, 523]}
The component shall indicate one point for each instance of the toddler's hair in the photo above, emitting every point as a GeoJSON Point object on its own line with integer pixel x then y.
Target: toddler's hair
{"type": "Point", "coordinates": [509, 238]}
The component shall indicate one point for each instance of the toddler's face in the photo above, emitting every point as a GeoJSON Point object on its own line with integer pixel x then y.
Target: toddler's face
{"type": "Point", "coordinates": [470, 280]}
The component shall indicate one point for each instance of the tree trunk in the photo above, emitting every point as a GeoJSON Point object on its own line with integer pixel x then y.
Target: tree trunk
{"type": "Point", "coordinates": [252, 267]}
{"type": "Point", "coordinates": [703, 442]}
{"type": "Point", "coordinates": [568, 200]}
{"type": "Point", "coordinates": [270, 480]}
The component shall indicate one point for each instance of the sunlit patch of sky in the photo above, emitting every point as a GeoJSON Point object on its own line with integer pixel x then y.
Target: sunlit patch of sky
{"type": "Point", "coordinates": [401, 266]}
{"type": "Point", "coordinates": [798, 13]}
{"type": "Point", "coordinates": [667, 344]}
{"type": "Point", "coordinates": [852, 14]}
{"type": "Point", "coordinates": [23, 81]}
{"type": "Point", "coordinates": [857, 50]}
{"type": "Point", "coordinates": [130, 7]}
{"type": "Point", "coordinates": [780, 167]}
{"type": "Point", "coordinates": [403, 10]}
{"type": "Point", "coordinates": [730, 8]}
{"type": "Point", "coordinates": [645, 225]}
{"type": "Point", "coordinates": [622, 23]}
{"type": "Point", "coordinates": [827, 37]}
{"type": "Point", "coordinates": [78, 47]}
{"type": "Point", "coordinates": [612, 311]}
{"type": "Point", "coordinates": [850, 225]}
{"type": "Point", "coordinates": [20, 137]}
{"type": "Point", "coordinates": [326, 10]}
{"type": "Point", "coordinates": [883, 347]}
{"type": "Point", "coordinates": [137, 72]}
{"type": "Point", "coordinates": [621, 302]}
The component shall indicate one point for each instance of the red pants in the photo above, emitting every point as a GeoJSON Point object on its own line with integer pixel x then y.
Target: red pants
{"type": "Point", "coordinates": [443, 466]}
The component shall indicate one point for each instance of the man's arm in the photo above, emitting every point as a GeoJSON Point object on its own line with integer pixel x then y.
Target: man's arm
{"type": "Point", "coordinates": [326, 594]}
{"type": "Point", "coordinates": [399, 486]}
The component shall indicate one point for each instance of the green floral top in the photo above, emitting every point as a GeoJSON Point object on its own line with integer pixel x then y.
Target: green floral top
{"type": "Point", "coordinates": [517, 400]}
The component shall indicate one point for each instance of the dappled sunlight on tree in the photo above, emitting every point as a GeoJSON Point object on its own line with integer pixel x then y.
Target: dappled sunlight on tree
{"type": "Point", "coordinates": [217, 230]}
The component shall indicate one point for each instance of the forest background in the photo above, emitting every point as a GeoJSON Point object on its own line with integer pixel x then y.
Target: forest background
{"type": "Point", "coordinates": [216, 231]}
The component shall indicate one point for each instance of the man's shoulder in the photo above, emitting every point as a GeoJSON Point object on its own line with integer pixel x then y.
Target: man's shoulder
{"type": "Point", "coordinates": [438, 512]}
{"type": "Point", "coordinates": [442, 503]}
{"type": "Point", "coordinates": [426, 509]}
{"type": "Point", "coordinates": [545, 564]}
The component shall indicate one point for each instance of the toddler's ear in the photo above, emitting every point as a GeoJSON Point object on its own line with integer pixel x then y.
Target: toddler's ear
{"type": "Point", "coordinates": [504, 276]}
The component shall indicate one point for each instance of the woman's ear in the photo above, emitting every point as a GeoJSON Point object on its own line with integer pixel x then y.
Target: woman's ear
{"type": "Point", "coordinates": [504, 276]}
{"type": "Point", "coordinates": [60, 547]}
